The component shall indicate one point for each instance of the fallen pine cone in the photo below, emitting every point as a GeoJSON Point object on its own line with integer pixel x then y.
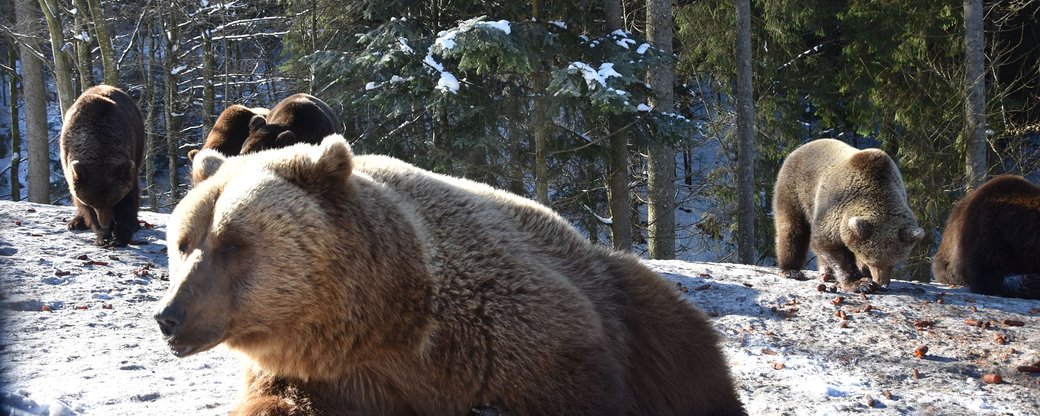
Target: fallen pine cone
{"type": "Point", "coordinates": [1000, 339]}
{"type": "Point", "coordinates": [778, 366]}
{"type": "Point", "coordinates": [992, 379]}
{"type": "Point", "coordinates": [1013, 322]}
{"type": "Point", "coordinates": [917, 374]}
{"type": "Point", "coordinates": [844, 324]}
{"type": "Point", "coordinates": [838, 300]}
{"type": "Point", "coordinates": [821, 287]}
{"type": "Point", "coordinates": [973, 322]}
{"type": "Point", "coordinates": [841, 314]}
{"type": "Point", "coordinates": [45, 308]}
{"type": "Point", "coordinates": [924, 324]}
{"type": "Point", "coordinates": [705, 286]}
{"type": "Point", "coordinates": [746, 284]}
{"type": "Point", "coordinates": [17, 222]}
{"type": "Point", "coordinates": [887, 394]}
{"type": "Point", "coordinates": [920, 352]}
{"type": "Point", "coordinates": [96, 263]}
{"type": "Point", "coordinates": [61, 273]}
{"type": "Point", "coordinates": [1029, 369]}
{"type": "Point", "coordinates": [870, 401]}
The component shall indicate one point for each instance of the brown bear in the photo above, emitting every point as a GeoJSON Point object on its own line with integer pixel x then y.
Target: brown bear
{"type": "Point", "coordinates": [102, 146]}
{"type": "Point", "coordinates": [230, 130]}
{"type": "Point", "coordinates": [364, 285]}
{"type": "Point", "coordinates": [992, 234]}
{"type": "Point", "coordinates": [300, 118]}
{"type": "Point", "coordinates": [850, 206]}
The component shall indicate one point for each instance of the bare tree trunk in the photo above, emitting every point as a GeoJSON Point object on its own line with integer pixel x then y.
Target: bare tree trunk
{"type": "Point", "coordinates": [16, 136]}
{"type": "Point", "coordinates": [975, 165]}
{"type": "Point", "coordinates": [170, 89]}
{"type": "Point", "coordinates": [661, 163]}
{"type": "Point", "coordinates": [745, 138]}
{"type": "Point", "coordinates": [539, 125]}
{"type": "Point", "coordinates": [618, 166]}
{"type": "Point", "coordinates": [208, 94]}
{"type": "Point", "coordinates": [149, 121]}
{"type": "Point", "coordinates": [108, 55]}
{"type": "Point", "coordinates": [83, 60]}
{"type": "Point", "coordinates": [62, 76]}
{"type": "Point", "coordinates": [35, 105]}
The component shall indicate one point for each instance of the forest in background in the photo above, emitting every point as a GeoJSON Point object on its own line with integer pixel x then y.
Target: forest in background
{"type": "Point", "coordinates": [624, 116]}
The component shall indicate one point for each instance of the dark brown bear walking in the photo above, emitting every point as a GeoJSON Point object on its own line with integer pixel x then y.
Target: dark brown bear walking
{"type": "Point", "coordinates": [366, 286]}
{"type": "Point", "coordinates": [991, 234]}
{"type": "Point", "coordinates": [102, 146]}
{"type": "Point", "coordinates": [850, 206]}
{"type": "Point", "coordinates": [300, 118]}
{"type": "Point", "coordinates": [230, 130]}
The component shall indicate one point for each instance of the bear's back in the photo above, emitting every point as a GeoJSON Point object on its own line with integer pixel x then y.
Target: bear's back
{"type": "Point", "coordinates": [103, 121]}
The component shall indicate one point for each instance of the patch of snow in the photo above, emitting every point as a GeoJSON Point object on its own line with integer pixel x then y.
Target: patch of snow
{"type": "Point", "coordinates": [642, 107]}
{"type": "Point", "coordinates": [592, 75]}
{"type": "Point", "coordinates": [397, 80]}
{"type": "Point", "coordinates": [502, 25]}
{"type": "Point", "coordinates": [446, 39]}
{"type": "Point", "coordinates": [404, 45]}
{"type": "Point", "coordinates": [448, 83]}
{"type": "Point", "coordinates": [372, 85]}
{"type": "Point", "coordinates": [559, 23]}
{"type": "Point", "coordinates": [178, 69]}
{"type": "Point", "coordinates": [433, 63]}
{"type": "Point", "coordinates": [642, 48]}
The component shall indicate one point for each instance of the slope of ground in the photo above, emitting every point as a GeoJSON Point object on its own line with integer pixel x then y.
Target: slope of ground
{"type": "Point", "coordinates": [77, 335]}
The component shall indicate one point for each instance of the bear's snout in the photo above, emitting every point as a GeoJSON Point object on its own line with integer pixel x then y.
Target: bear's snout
{"type": "Point", "coordinates": [169, 319]}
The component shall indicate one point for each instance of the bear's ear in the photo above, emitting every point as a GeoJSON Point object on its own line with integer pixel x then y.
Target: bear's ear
{"type": "Point", "coordinates": [286, 138]}
{"type": "Point", "coordinates": [861, 228]}
{"type": "Point", "coordinates": [206, 163]}
{"type": "Point", "coordinates": [324, 167]}
{"type": "Point", "coordinates": [191, 154]}
{"type": "Point", "coordinates": [911, 234]}
{"type": "Point", "coordinates": [78, 172]}
{"type": "Point", "coordinates": [256, 122]}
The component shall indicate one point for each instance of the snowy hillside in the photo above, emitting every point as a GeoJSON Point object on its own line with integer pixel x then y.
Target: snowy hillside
{"type": "Point", "coordinates": [78, 337]}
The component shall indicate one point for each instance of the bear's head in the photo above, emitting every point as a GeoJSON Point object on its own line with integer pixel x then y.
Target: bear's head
{"type": "Point", "coordinates": [264, 135]}
{"type": "Point", "coordinates": [879, 245]}
{"type": "Point", "coordinates": [102, 184]}
{"type": "Point", "coordinates": [249, 247]}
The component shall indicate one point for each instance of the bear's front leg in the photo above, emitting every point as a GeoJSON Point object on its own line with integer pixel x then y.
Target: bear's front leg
{"type": "Point", "coordinates": [269, 395]}
{"type": "Point", "coordinates": [841, 263]}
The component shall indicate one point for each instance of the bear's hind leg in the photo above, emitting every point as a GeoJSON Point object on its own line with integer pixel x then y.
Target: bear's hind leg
{"type": "Point", "coordinates": [792, 243]}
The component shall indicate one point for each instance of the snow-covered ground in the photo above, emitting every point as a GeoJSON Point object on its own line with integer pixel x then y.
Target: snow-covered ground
{"type": "Point", "coordinates": [77, 335]}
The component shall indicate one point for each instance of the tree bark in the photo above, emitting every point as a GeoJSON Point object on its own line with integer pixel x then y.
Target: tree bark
{"type": "Point", "coordinates": [108, 56]}
{"type": "Point", "coordinates": [745, 138]}
{"type": "Point", "coordinates": [975, 165]}
{"type": "Point", "coordinates": [83, 60]}
{"type": "Point", "coordinates": [62, 75]}
{"type": "Point", "coordinates": [208, 93]}
{"type": "Point", "coordinates": [149, 120]}
{"type": "Point", "coordinates": [618, 166]}
{"type": "Point", "coordinates": [35, 105]}
{"type": "Point", "coordinates": [16, 136]}
{"type": "Point", "coordinates": [169, 96]}
{"type": "Point", "coordinates": [661, 163]}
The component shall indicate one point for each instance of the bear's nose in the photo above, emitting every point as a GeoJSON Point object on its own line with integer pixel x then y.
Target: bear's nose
{"type": "Point", "coordinates": [169, 319]}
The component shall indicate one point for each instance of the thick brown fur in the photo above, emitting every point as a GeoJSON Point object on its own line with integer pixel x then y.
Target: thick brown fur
{"type": "Point", "coordinates": [364, 285]}
{"type": "Point", "coordinates": [102, 147]}
{"type": "Point", "coordinates": [850, 207]}
{"type": "Point", "coordinates": [300, 118]}
{"type": "Point", "coordinates": [230, 130]}
{"type": "Point", "coordinates": [991, 234]}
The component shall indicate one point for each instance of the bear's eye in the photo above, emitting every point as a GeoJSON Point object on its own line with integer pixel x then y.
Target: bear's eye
{"type": "Point", "coordinates": [183, 247]}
